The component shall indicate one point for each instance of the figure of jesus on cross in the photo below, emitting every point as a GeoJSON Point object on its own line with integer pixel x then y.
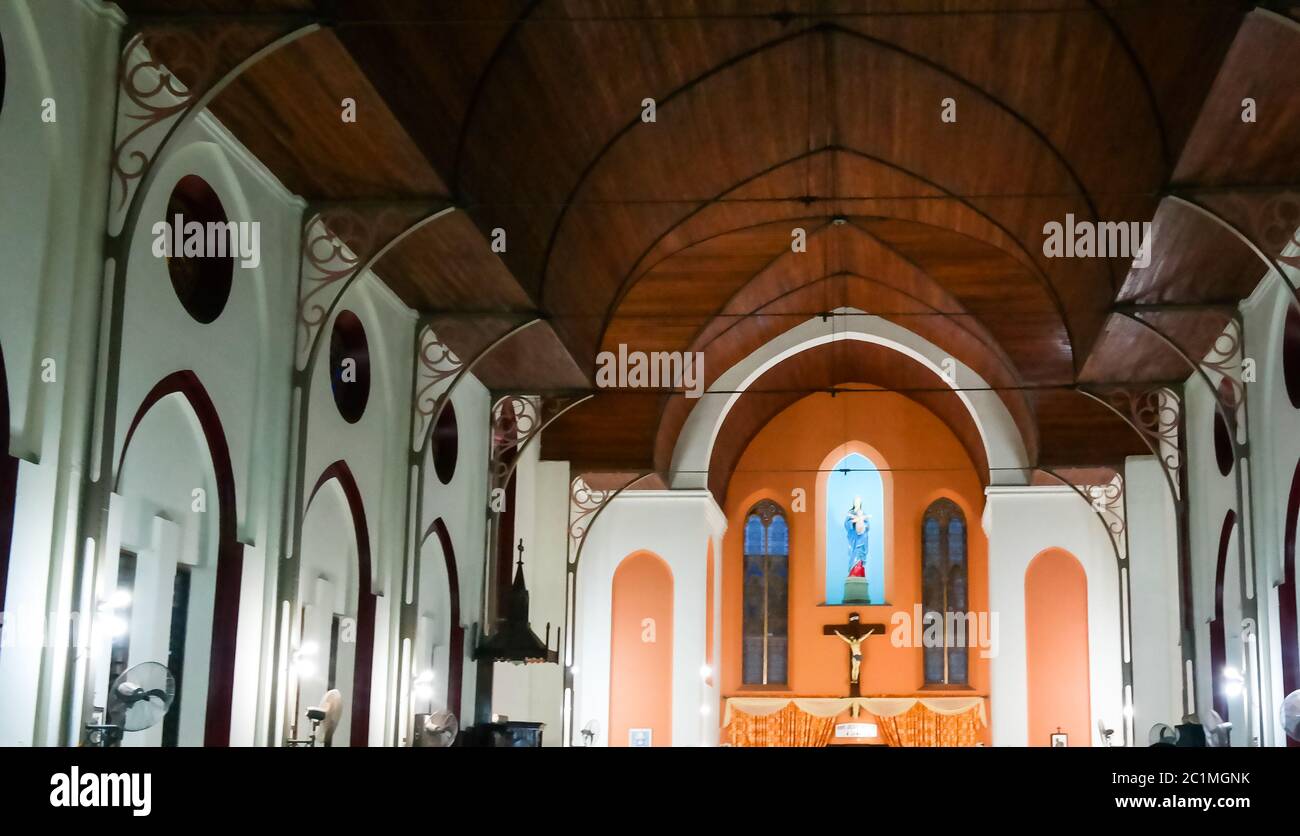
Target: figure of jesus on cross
{"type": "Point", "coordinates": [853, 633]}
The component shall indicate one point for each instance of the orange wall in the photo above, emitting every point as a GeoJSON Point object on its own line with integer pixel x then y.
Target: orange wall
{"type": "Point", "coordinates": [1056, 639]}
{"type": "Point", "coordinates": [927, 462]}
{"type": "Point", "coordinates": [641, 670]}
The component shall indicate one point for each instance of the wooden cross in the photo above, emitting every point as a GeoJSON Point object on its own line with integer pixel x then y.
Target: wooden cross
{"type": "Point", "coordinates": [853, 633]}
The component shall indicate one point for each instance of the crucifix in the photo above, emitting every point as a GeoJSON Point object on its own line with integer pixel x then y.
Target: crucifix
{"type": "Point", "coordinates": [853, 633]}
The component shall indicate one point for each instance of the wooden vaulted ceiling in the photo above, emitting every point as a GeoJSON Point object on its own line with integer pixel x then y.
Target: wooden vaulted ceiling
{"type": "Point", "coordinates": [774, 114]}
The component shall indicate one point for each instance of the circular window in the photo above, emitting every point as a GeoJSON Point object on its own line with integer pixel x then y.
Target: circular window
{"type": "Point", "coordinates": [349, 366]}
{"type": "Point", "coordinates": [1291, 355]}
{"type": "Point", "coordinates": [1224, 454]}
{"type": "Point", "coordinates": [445, 445]}
{"type": "Point", "coordinates": [200, 278]}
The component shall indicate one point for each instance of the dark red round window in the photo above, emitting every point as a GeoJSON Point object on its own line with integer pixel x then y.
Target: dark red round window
{"type": "Point", "coordinates": [1291, 355]}
{"type": "Point", "coordinates": [445, 445]}
{"type": "Point", "coordinates": [349, 366]}
{"type": "Point", "coordinates": [202, 282]}
{"type": "Point", "coordinates": [1224, 454]}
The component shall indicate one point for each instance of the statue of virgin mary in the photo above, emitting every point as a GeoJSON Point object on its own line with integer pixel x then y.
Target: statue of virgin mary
{"type": "Point", "coordinates": [857, 526]}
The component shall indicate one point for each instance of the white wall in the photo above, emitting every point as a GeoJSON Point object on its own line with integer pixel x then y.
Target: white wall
{"type": "Point", "coordinates": [1275, 451]}
{"type": "Point", "coordinates": [1153, 596]}
{"type": "Point", "coordinates": [56, 177]}
{"type": "Point", "coordinates": [676, 526]}
{"type": "Point", "coordinates": [53, 216]}
{"type": "Point", "coordinates": [1021, 522]}
{"type": "Point", "coordinates": [462, 505]}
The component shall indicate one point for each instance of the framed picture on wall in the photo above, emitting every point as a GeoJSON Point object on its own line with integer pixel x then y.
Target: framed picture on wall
{"type": "Point", "coordinates": [639, 738]}
{"type": "Point", "coordinates": [1060, 739]}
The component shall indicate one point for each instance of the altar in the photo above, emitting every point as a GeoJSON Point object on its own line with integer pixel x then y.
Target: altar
{"type": "Point", "coordinates": [903, 721]}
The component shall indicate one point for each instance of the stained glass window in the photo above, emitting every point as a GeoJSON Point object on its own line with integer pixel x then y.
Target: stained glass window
{"type": "Point", "coordinates": [766, 593]}
{"type": "Point", "coordinates": [944, 593]}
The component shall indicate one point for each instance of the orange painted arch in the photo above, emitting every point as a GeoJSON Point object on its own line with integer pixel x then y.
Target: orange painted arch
{"type": "Point", "coordinates": [1056, 649]}
{"type": "Point", "coordinates": [641, 649]}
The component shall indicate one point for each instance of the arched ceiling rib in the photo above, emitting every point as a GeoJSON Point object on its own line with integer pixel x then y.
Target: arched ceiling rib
{"type": "Point", "coordinates": [860, 371]}
{"type": "Point", "coordinates": [802, 109]}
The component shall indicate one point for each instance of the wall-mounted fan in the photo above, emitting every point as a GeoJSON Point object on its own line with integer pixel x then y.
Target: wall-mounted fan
{"type": "Point", "coordinates": [1162, 734]}
{"type": "Point", "coordinates": [439, 730]}
{"type": "Point", "coordinates": [1218, 733]}
{"type": "Point", "coordinates": [137, 700]}
{"type": "Point", "coordinates": [590, 732]}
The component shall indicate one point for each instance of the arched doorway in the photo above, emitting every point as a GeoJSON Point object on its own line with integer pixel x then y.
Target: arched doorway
{"type": "Point", "coordinates": [641, 652]}
{"type": "Point", "coordinates": [339, 601]}
{"type": "Point", "coordinates": [440, 639]}
{"type": "Point", "coordinates": [227, 574]}
{"type": "Point", "coordinates": [1056, 652]}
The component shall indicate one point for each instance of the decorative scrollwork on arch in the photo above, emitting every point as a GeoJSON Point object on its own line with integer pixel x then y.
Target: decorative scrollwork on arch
{"type": "Point", "coordinates": [436, 364]}
{"type": "Point", "coordinates": [584, 501]}
{"type": "Point", "coordinates": [1108, 501]}
{"type": "Point", "coordinates": [1157, 414]}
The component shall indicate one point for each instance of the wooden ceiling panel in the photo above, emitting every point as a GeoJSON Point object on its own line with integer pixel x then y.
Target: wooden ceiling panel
{"type": "Point", "coordinates": [1077, 430]}
{"type": "Point", "coordinates": [448, 266]}
{"type": "Point", "coordinates": [1194, 260]}
{"type": "Point", "coordinates": [533, 360]}
{"type": "Point", "coordinates": [427, 60]}
{"type": "Point", "coordinates": [1179, 50]}
{"type": "Point", "coordinates": [286, 110]}
{"type": "Point", "coordinates": [771, 113]}
{"type": "Point", "coordinates": [1129, 351]}
{"type": "Point", "coordinates": [1120, 139]}
{"type": "Point", "coordinates": [611, 431]}
{"type": "Point", "coordinates": [1225, 150]}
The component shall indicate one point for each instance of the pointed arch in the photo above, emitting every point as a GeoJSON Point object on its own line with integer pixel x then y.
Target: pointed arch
{"type": "Point", "coordinates": [945, 589]}
{"type": "Point", "coordinates": [765, 613]}
{"type": "Point", "coordinates": [456, 637]}
{"type": "Point", "coordinates": [363, 667]}
{"type": "Point", "coordinates": [880, 538]}
{"type": "Point", "coordinates": [230, 552]}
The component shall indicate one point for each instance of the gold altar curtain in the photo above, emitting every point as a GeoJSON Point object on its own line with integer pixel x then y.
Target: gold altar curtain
{"type": "Point", "coordinates": [901, 721]}
{"type": "Point", "coordinates": [787, 727]}
{"type": "Point", "coordinates": [921, 726]}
